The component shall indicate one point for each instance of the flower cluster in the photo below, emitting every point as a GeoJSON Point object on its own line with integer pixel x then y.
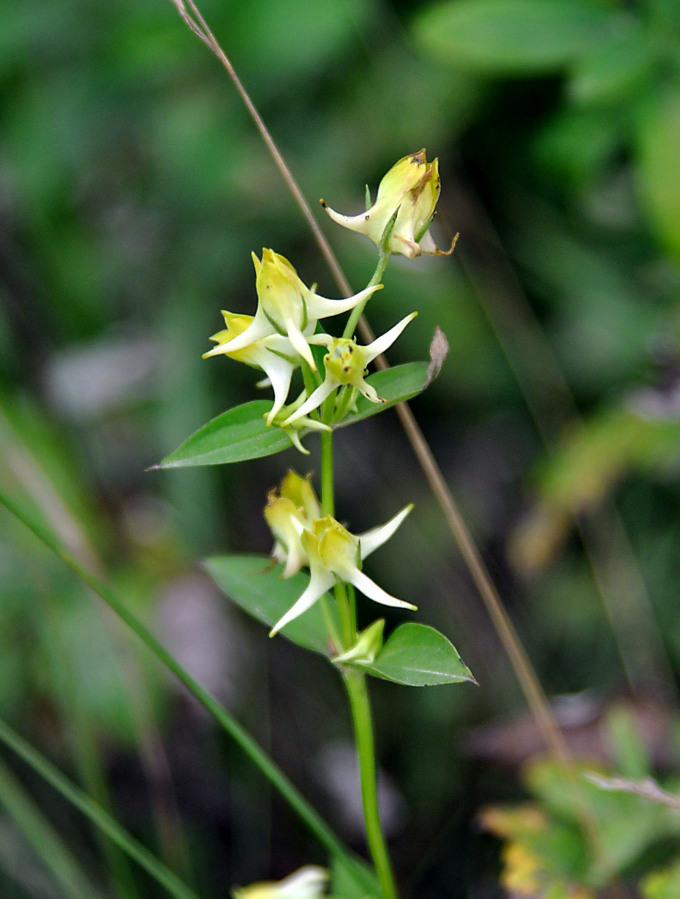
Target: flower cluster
{"type": "Point", "coordinates": [280, 337]}
{"type": "Point", "coordinates": [285, 335]}
{"type": "Point", "coordinates": [330, 551]}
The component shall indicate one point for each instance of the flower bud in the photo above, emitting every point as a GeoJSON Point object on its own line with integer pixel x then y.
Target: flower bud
{"type": "Point", "coordinates": [399, 220]}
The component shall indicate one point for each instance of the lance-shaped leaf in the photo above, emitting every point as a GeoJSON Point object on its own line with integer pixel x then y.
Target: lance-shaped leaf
{"type": "Point", "coordinates": [242, 433]}
{"type": "Point", "coordinates": [234, 436]}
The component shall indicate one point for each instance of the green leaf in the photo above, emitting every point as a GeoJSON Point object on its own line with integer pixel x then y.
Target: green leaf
{"type": "Point", "coordinates": [419, 656]}
{"type": "Point", "coordinates": [235, 436]}
{"type": "Point", "coordinates": [257, 587]}
{"type": "Point", "coordinates": [395, 385]}
{"type": "Point", "coordinates": [513, 37]}
{"type": "Point", "coordinates": [614, 70]}
{"type": "Point", "coordinates": [242, 433]}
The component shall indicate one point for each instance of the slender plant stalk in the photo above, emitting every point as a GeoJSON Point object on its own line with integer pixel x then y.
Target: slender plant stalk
{"type": "Point", "coordinates": [26, 470]}
{"type": "Point", "coordinates": [358, 311]}
{"type": "Point", "coordinates": [357, 692]}
{"type": "Point", "coordinates": [97, 814]}
{"type": "Point", "coordinates": [47, 843]}
{"type": "Point", "coordinates": [327, 491]}
{"type": "Point", "coordinates": [346, 612]}
{"type": "Point", "coordinates": [355, 682]}
{"type": "Point", "coordinates": [274, 774]}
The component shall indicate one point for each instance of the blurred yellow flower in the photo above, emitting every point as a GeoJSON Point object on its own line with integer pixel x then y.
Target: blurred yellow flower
{"type": "Point", "coordinates": [307, 883]}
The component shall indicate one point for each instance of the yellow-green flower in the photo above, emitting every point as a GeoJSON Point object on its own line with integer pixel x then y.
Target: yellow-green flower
{"type": "Point", "coordinates": [334, 554]}
{"type": "Point", "coordinates": [289, 509]}
{"type": "Point", "coordinates": [346, 364]}
{"type": "Point", "coordinates": [307, 883]}
{"type": "Point", "coordinates": [274, 354]}
{"type": "Point", "coordinates": [286, 306]}
{"type": "Point", "coordinates": [411, 190]}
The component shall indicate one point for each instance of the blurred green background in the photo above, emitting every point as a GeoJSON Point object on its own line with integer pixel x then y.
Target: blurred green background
{"type": "Point", "coordinates": [133, 188]}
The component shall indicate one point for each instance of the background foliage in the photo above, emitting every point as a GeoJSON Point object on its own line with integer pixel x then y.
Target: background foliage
{"type": "Point", "coordinates": [133, 191]}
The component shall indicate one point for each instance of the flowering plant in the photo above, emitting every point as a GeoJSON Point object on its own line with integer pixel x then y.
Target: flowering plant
{"type": "Point", "coordinates": [319, 611]}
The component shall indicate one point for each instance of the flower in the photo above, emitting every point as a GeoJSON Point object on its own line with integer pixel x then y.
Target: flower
{"type": "Point", "coordinates": [406, 201]}
{"type": "Point", "coordinates": [345, 364]}
{"type": "Point", "coordinates": [287, 307]}
{"type": "Point", "coordinates": [274, 354]}
{"type": "Point", "coordinates": [333, 554]}
{"type": "Point", "coordinates": [307, 883]}
{"type": "Point", "coordinates": [366, 647]}
{"type": "Point", "coordinates": [292, 506]}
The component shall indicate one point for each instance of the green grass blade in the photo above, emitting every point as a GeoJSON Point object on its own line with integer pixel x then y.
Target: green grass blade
{"type": "Point", "coordinates": [96, 814]}
{"type": "Point", "coordinates": [277, 778]}
{"type": "Point", "coordinates": [46, 842]}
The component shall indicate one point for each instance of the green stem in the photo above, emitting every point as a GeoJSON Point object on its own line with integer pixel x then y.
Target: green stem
{"type": "Point", "coordinates": [346, 396]}
{"type": "Point", "coordinates": [274, 774]}
{"type": "Point", "coordinates": [347, 621]}
{"type": "Point", "coordinates": [45, 840]}
{"type": "Point", "coordinates": [355, 683]}
{"type": "Point", "coordinates": [327, 486]}
{"type": "Point", "coordinates": [96, 813]}
{"type": "Point", "coordinates": [357, 312]}
{"type": "Point", "coordinates": [347, 627]}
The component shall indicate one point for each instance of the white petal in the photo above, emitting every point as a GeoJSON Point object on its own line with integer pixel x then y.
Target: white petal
{"type": "Point", "coordinates": [373, 591]}
{"type": "Point", "coordinates": [371, 540]}
{"type": "Point", "coordinates": [294, 562]}
{"type": "Point", "coordinates": [320, 307]}
{"type": "Point", "coordinates": [360, 223]}
{"type": "Point", "coordinates": [294, 438]}
{"type": "Point", "coordinates": [259, 327]}
{"type": "Point", "coordinates": [279, 371]}
{"type": "Point", "coordinates": [307, 883]}
{"type": "Point", "coordinates": [298, 340]}
{"type": "Point", "coordinates": [217, 350]}
{"type": "Point", "coordinates": [427, 244]}
{"type": "Point", "coordinates": [319, 582]}
{"type": "Point", "coordinates": [386, 340]}
{"type": "Point", "coordinates": [369, 392]}
{"type": "Point", "coordinates": [315, 399]}
{"type": "Point", "coordinates": [321, 340]}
